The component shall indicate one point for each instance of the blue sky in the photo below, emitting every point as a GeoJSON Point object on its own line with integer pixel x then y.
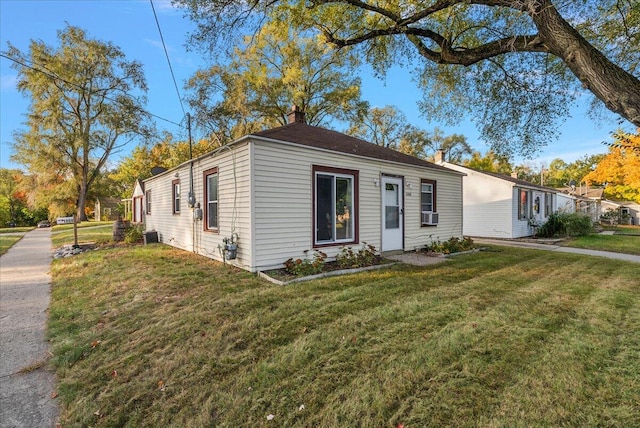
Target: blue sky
{"type": "Point", "coordinates": [130, 24]}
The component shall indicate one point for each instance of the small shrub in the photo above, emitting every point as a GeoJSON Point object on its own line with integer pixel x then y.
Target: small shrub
{"type": "Point", "coordinates": [614, 217]}
{"type": "Point", "coordinates": [365, 256]}
{"type": "Point", "coordinates": [451, 245]}
{"type": "Point", "coordinates": [299, 267]}
{"type": "Point", "coordinates": [579, 225]}
{"type": "Point", "coordinates": [133, 234]}
{"type": "Point", "coordinates": [566, 224]}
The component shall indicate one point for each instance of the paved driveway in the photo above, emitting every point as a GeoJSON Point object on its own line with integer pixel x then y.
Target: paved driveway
{"type": "Point", "coordinates": [26, 398]}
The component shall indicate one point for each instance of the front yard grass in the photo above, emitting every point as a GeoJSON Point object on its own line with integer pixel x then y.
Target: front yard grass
{"type": "Point", "coordinates": [99, 232]}
{"type": "Point", "coordinates": [624, 229]}
{"type": "Point", "coordinates": [154, 336]}
{"type": "Point", "coordinates": [615, 243]}
{"type": "Point", "coordinates": [7, 241]}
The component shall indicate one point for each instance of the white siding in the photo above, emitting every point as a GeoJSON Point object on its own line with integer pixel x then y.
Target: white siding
{"type": "Point", "coordinates": [182, 230]}
{"type": "Point", "coordinates": [488, 205]}
{"type": "Point", "coordinates": [265, 196]}
{"type": "Point", "coordinates": [565, 203]}
{"type": "Point", "coordinates": [283, 201]}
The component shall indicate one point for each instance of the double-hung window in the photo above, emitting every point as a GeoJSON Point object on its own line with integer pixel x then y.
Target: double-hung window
{"type": "Point", "coordinates": [335, 205]}
{"type": "Point", "coordinates": [524, 204]}
{"type": "Point", "coordinates": [548, 204]}
{"type": "Point", "coordinates": [211, 199]}
{"type": "Point", "coordinates": [428, 211]}
{"type": "Point", "coordinates": [147, 197]}
{"type": "Point", "coordinates": [175, 185]}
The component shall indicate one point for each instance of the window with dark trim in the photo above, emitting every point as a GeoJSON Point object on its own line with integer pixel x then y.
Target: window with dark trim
{"type": "Point", "coordinates": [147, 198]}
{"type": "Point", "coordinates": [335, 206]}
{"type": "Point", "coordinates": [548, 204]}
{"type": "Point", "coordinates": [210, 180]}
{"type": "Point", "coordinates": [524, 204]}
{"type": "Point", "coordinates": [175, 192]}
{"type": "Point", "coordinates": [428, 198]}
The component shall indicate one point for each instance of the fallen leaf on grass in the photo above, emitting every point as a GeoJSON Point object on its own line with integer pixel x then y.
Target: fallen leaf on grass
{"type": "Point", "coordinates": [95, 343]}
{"type": "Point", "coordinates": [54, 395]}
{"type": "Point", "coordinates": [161, 385]}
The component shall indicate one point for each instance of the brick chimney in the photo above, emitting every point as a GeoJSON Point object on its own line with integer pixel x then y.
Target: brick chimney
{"type": "Point", "coordinates": [438, 157]}
{"type": "Point", "coordinates": [296, 115]}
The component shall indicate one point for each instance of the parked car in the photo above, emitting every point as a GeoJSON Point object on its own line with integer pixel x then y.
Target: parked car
{"type": "Point", "coordinates": [44, 223]}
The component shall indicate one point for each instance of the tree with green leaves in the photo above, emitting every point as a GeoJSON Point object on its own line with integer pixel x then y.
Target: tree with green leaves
{"type": "Point", "coordinates": [454, 147]}
{"type": "Point", "coordinates": [86, 101]}
{"type": "Point", "coordinates": [12, 198]}
{"type": "Point", "coordinates": [268, 73]}
{"type": "Point", "coordinates": [383, 126]}
{"type": "Point", "coordinates": [490, 162]}
{"type": "Point", "coordinates": [166, 154]}
{"type": "Point", "coordinates": [512, 66]}
{"type": "Point", "coordinates": [388, 127]}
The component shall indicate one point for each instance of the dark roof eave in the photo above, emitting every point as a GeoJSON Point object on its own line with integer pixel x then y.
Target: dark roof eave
{"type": "Point", "coordinates": [325, 139]}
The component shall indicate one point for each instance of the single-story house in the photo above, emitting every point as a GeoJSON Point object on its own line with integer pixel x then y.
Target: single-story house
{"type": "Point", "coordinates": [293, 190]}
{"type": "Point", "coordinates": [106, 209]}
{"type": "Point", "coordinates": [133, 207]}
{"type": "Point", "coordinates": [501, 206]}
{"type": "Point", "coordinates": [628, 211]}
{"type": "Point", "coordinates": [588, 200]}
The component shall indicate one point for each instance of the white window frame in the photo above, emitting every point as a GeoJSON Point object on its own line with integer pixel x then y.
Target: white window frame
{"type": "Point", "coordinates": [209, 204]}
{"type": "Point", "coordinates": [352, 223]}
{"type": "Point", "coordinates": [428, 213]}
{"type": "Point", "coordinates": [175, 196]}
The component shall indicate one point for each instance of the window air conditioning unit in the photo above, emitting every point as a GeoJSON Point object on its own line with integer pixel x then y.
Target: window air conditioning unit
{"type": "Point", "coordinates": [430, 218]}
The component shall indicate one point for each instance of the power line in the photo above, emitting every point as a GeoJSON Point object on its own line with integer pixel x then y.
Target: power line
{"type": "Point", "coordinates": [175, 84]}
{"type": "Point", "coordinates": [44, 70]}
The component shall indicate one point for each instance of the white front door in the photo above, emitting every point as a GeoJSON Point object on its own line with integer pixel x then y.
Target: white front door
{"type": "Point", "coordinates": [392, 214]}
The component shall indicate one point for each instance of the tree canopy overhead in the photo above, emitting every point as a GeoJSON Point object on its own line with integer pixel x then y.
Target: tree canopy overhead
{"type": "Point", "coordinates": [513, 66]}
{"type": "Point", "coordinates": [86, 103]}
{"type": "Point", "coordinates": [270, 72]}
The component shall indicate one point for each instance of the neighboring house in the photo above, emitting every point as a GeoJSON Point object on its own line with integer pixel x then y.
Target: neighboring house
{"type": "Point", "coordinates": [293, 190]}
{"type": "Point", "coordinates": [500, 206]}
{"type": "Point", "coordinates": [106, 209]}
{"type": "Point", "coordinates": [633, 210]}
{"type": "Point", "coordinates": [134, 206]}
{"type": "Point", "coordinates": [588, 200]}
{"type": "Point", "coordinates": [628, 211]}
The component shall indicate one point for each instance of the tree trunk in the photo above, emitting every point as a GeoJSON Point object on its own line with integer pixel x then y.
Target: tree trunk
{"type": "Point", "coordinates": [619, 90]}
{"type": "Point", "coordinates": [82, 203]}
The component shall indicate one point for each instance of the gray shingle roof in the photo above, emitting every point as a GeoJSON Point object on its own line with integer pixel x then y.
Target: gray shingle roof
{"type": "Point", "coordinates": [313, 136]}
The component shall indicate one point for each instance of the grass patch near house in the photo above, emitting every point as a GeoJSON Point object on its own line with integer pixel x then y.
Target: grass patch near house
{"type": "Point", "coordinates": [7, 242]}
{"type": "Point", "coordinates": [624, 229]}
{"type": "Point", "coordinates": [16, 229]}
{"type": "Point", "coordinates": [154, 336]}
{"type": "Point", "coordinates": [81, 225]}
{"type": "Point", "coordinates": [99, 232]}
{"type": "Point", "coordinates": [615, 243]}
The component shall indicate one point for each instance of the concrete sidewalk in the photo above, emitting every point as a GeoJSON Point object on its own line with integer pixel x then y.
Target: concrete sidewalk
{"type": "Point", "coordinates": [26, 399]}
{"type": "Point", "coordinates": [551, 247]}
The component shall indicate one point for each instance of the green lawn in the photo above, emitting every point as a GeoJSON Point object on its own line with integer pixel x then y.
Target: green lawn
{"type": "Point", "coordinates": [15, 229]}
{"type": "Point", "coordinates": [87, 232]}
{"type": "Point", "coordinates": [625, 230]}
{"type": "Point", "coordinates": [616, 243]}
{"type": "Point", "coordinates": [153, 336]}
{"type": "Point", "coordinates": [7, 242]}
